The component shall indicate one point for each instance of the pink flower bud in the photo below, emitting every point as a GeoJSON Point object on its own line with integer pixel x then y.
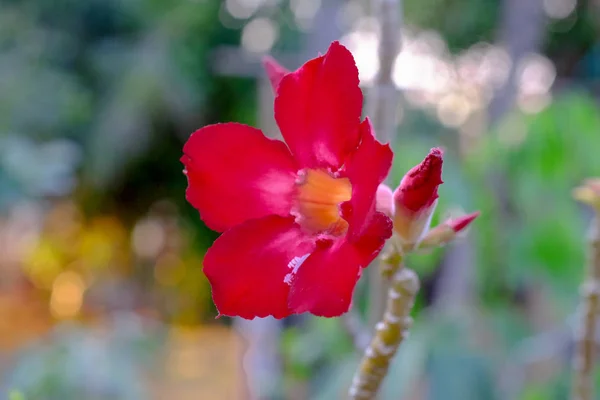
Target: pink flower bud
{"type": "Point", "coordinates": [416, 197]}
{"type": "Point", "coordinates": [385, 200]}
{"type": "Point", "coordinates": [419, 187]}
{"type": "Point", "coordinates": [460, 223]}
{"type": "Point", "coordinates": [447, 231]}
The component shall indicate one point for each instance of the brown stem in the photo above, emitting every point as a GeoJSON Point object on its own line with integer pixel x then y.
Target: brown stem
{"type": "Point", "coordinates": [585, 352]}
{"type": "Point", "coordinates": [389, 334]}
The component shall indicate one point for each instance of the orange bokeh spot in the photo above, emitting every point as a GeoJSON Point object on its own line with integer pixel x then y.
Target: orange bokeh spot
{"type": "Point", "coordinates": [318, 200]}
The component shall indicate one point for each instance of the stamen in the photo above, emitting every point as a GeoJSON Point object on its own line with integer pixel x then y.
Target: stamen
{"type": "Point", "coordinates": [294, 265]}
{"type": "Point", "coordinates": [318, 200]}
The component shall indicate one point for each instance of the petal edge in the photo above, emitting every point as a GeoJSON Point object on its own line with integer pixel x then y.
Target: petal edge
{"type": "Point", "coordinates": [318, 109]}
{"type": "Point", "coordinates": [235, 173]}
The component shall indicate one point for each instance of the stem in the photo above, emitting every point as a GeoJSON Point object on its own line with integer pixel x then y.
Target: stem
{"type": "Point", "coordinates": [389, 334]}
{"type": "Point", "coordinates": [585, 352]}
{"type": "Point", "coordinates": [383, 104]}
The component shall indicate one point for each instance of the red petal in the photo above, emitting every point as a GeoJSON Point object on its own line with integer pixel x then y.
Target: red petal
{"type": "Point", "coordinates": [460, 223]}
{"type": "Point", "coordinates": [235, 173]}
{"type": "Point", "coordinates": [419, 187]}
{"type": "Point", "coordinates": [366, 169]}
{"type": "Point", "coordinates": [373, 239]}
{"type": "Point", "coordinates": [247, 267]}
{"type": "Point", "coordinates": [318, 109]}
{"type": "Point", "coordinates": [324, 283]}
{"type": "Point", "coordinates": [275, 71]}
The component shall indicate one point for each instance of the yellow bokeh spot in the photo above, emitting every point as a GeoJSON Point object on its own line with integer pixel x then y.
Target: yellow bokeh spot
{"type": "Point", "coordinates": [102, 242]}
{"type": "Point", "coordinates": [169, 270]}
{"type": "Point", "coordinates": [43, 265]}
{"type": "Point", "coordinates": [67, 295]}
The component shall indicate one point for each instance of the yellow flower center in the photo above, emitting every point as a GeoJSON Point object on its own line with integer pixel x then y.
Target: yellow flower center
{"type": "Point", "coordinates": [318, 201]}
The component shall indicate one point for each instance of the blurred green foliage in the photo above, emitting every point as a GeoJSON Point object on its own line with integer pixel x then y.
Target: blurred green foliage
{"type": "Point", "coordinates": [542, 158]}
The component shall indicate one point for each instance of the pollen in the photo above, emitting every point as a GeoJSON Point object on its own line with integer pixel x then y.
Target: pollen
{"type": "Point", "coordinates": [318, 202]}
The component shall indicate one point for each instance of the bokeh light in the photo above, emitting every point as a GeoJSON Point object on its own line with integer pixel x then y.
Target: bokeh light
{"type": "Point", "coordinates": [67, 295]}
{"type": "Point", "coordinates": [259, 35]}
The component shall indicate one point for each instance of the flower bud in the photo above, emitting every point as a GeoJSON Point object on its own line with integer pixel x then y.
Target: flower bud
{"type": "Point", "coordinates": [460, 223]}
{"type": "Point", "coordinates": [416, 197]}
{"type": "Point", "coordinates": [447, 231]}
{"type": "Point", "coordinates": [385, 200]}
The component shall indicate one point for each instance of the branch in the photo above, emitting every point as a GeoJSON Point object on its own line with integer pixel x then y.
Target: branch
{"type": "Point", "coordinates": [522, 33]}
{"type": "Point", "coordinates": [585, 350]}
{"type": "Point", "coordinates": [390, 333]}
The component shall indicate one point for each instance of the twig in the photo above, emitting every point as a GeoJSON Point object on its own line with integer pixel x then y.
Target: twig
{"type": "Point", "coordinates": [389, 334]}
{"type": "Point", "coordinates": [585, 351]}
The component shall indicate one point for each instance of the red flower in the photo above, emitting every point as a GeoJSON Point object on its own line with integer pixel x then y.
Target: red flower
{"type": "Point", "coordinates": [416, 197]}
{"type": "Point", "coordinates": [299, 222]}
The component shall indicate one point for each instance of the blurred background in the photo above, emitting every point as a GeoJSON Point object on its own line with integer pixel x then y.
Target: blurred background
{"type": "Point", "coordinates": [101, 288]}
